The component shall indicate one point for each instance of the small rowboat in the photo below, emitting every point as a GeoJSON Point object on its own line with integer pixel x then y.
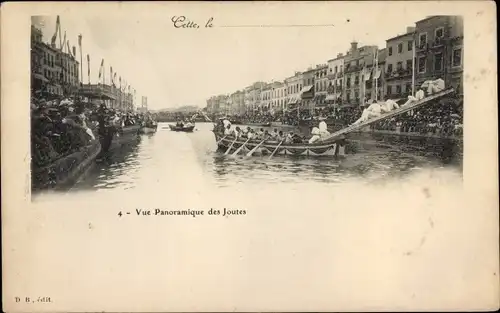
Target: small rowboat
{"type": "Point", "coordinates": [176, 128]}
{"type": "Point", "coordinates": [332, 148]}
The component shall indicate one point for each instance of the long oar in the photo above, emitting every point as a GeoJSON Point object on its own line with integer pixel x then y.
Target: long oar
{"type": "Point", "coordinates": [239, 149]}
{"type": "Point", "coordinates": [256, 147]}
{"type": "Point", "coordinates": [276, 149]}
{"type": "Point", "coordinates": [227, 151]}
{"type": "Point", "coordinates": [222, 139]}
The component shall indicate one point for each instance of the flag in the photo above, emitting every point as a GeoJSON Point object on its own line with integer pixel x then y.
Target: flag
{"type": "Point", "coordinates": [111, 73]}
{"type": "Point", "coordinates": [100, 68]}
{"type": "Point", "coordinates": [80, 40]}
{"type": "Point", "coordinates": [120, 79]}
{"type": "Point", "coordinates": [114, 78]}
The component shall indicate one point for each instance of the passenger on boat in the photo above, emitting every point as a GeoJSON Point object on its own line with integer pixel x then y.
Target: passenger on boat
{"type": "Point", "coordinates": [227, 130]}
{"type": "Point", "coordinates": [373, 110]}
{"type": "Point", "coordinates": [275, 134]}
{"type": "Point", "coordinates": [323, 129]}
{"type": "Point", "coordinates": [236, 132]}
{"type": "Point", "coordinates": [315, 135]}
{"type": "Point", "coordinates": [388, 106]}
{"type": "Point", "coordinates": [289, 137]}
{"type": "Point", "coordinates": [280, 136]}
{"type": "Point", "coordinates": [250, 133]}
{"type": "Point", "coordinates": [260, 133]}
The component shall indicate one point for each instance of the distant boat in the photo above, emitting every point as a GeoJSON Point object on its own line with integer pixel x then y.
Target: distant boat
{"type": "Point", "coordinates": [187, 129]}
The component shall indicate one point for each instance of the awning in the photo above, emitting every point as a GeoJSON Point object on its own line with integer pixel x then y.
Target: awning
{"type": "Point", "coordinates": [330, 97]}
{"type": "Point", "coordinates": [293, 100]}
{"type": "Point", "coordinates": [306, 89]}
{"type": "Point", "coordinates": [40, 77]}
{"type": "Point", "coordinates": [377, 74]}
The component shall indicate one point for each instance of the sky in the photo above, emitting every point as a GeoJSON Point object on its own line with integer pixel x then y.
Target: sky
{"type": "Point", "coordinates": [174, 67]}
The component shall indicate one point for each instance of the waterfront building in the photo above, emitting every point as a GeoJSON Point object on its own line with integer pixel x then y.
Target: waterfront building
{"type": "Point", "coordinates": [439, 50]}
{"type": "Point", "coordinates": [293, 85]}
{"type": "Point", "coordinates": [237, 102]}
{"type": "Point", "coordinates": [253, 97]}
{"type": "Point", "coordinates": [355, 63]}
{"type": "Point", "coordinates": [399, 64]}
{"type": "Point", "coordinates": [320, 85]}
{"type": "Point", "coordinates": [54, 73]}
{"type": "Point", "coordinates": [266, 96]}
{"type": "Point", "coordinates": [307, 91]}
{"type": "Point", "coordinates": [278, 96]}
{"type": "Point", "coordinates": [335, 80]}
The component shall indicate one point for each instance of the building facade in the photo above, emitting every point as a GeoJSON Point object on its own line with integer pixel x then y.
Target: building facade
{"type": "Point", "coordinates": [335, 80]}
{"type": "Point", "coordinates": [293, 85]}
{"type": "Point", "coordinates": [355, 70]}
{"type": "Point", "coordinates": [54, 73]}
{"type": "Point", "coordinates": [399, 64]}
{"type": "Point", "coordinates": [307, 91]}
{"type": "Point", "coordinates": [320, 85]}
{"type": "Point", "coordinates": [237, 103]}
{"type": "Point", "coordinates": [278, 96]}
{"type": "Point", "coordinates": [439, 50]}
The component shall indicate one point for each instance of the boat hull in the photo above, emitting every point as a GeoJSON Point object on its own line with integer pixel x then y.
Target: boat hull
{"type": "Point", "coordinates": [66, 170]}
{"type": "Point", "coordinates": [334, 148]}
{"type": "Point", "coordinates": [181, 129]}
{"type": "Point", "coordinates": [113, 138]}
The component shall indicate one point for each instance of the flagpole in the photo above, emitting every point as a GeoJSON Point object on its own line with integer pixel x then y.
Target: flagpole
{"type": "Point", "coordinates": [413, 71]}
{"type": "Point", "coordinates": [81, 58]}
{"type": "Point", "coordinates": [376, 77]}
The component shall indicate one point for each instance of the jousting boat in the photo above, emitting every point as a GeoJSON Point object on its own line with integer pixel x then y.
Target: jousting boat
{"type": "Point", "coordinates": [229, 145]}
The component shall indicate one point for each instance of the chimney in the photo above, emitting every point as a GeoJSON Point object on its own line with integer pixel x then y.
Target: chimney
{"type": "Point", "coordinates": [410, 29]}
{"type": "Point", "coordinates": [339, 55]}
{"type": "Point", "coordinates": [354, 46]}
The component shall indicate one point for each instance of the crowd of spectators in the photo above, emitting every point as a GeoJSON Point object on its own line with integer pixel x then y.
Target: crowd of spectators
{"type": "Point", "coordinates": [439, 119]}
{"type": "Point", "coordinates": [61, 127]}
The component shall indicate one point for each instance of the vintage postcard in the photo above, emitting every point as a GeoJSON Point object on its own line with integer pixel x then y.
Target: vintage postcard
{"type": "Point", "coordinates": [249, 156]}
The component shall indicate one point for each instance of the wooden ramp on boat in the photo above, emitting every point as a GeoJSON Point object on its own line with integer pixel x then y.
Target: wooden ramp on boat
{"type": "Point", "coordinates": [393, 113]}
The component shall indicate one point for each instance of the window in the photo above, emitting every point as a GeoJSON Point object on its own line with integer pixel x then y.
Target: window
{"type": "Point", "coordinates": [422, 40]}
{"type": "Point", "coordinates": [438, 62]}
{"type": "Point", "coordinates": [390, 50]}
{"type": "Point", "coordinates": [439, 33]}
{"type": "Point", "coordinates": [456, 57]}
{"type": "Point", "coordinates": [335, 69]}
{"type": "Point", "coordinates": [348, 82]}
{"type": "Point", "coordinates": [400, 48]}
{"type": "Point", "coordinates": [421, 64]}
{"type": "Point", "coordinates": [389, 68]}
{"type": "Point", "coordinates": [400, 66]}
{"type": "Point", "coordinates": [389, 90]}
{"type": "Point", "coordinates": [356, 95]}
{"type": "Point", "coordinates": [398, 89]}
{"type": "Point", "coordinates": [409, 64]}
{"type": "Point", "coordinates": [410, 45]}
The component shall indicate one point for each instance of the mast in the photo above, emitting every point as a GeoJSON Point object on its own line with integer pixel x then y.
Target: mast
{"type": "Point", "coordinates": [376, 77]}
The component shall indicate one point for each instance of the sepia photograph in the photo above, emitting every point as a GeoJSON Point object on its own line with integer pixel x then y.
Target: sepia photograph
{"type": "Point", "coordinates": [379, 105]}
{"type": "Point", "coordinates": [249, 156]}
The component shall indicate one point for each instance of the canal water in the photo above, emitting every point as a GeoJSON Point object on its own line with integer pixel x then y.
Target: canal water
{"type": "Point", "coordinates": [185, 157]}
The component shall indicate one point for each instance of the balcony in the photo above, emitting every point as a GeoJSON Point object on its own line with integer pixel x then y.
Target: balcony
{"type": "Point", "coordinates": [401, 73]}
{"type": "Point", "coordinates": [438, 43]}
{"type": "Point", "coordinates": [424, 47]}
